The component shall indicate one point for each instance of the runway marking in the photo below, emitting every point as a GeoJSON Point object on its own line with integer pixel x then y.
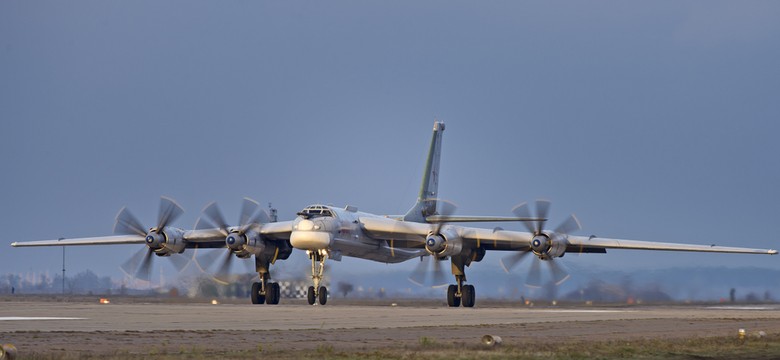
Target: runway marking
{"type": "Point", "coordinates": [22, 318]}
{"type": "Point", "coordinates": [585, 311]}
{"type": "Point", "coordinates": [743, 307]}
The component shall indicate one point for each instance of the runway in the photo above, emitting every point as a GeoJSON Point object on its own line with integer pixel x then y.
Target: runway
{"type": "Point", "coordinates": [84, 327]}
{"type": "Point", "coordinates": [54, 316]}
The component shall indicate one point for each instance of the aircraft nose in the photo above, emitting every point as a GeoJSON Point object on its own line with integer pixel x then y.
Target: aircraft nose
{"type": "Point", "coordinates": [306, 225]}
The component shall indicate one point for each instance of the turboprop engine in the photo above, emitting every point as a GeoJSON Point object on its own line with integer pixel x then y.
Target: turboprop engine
{"type": "Point", "coordinates": [165, 242]}
{"type": "Point", "coordinates": [443, 243]}
{"type": "Point", "coordinates": [547, 246]}
{"type": "Point", "coordinates": [245, 244]}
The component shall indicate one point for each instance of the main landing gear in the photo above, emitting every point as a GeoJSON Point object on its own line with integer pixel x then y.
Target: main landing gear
{"type": "Point", "coordinates": [460, 294]}
{"type": "Point", "coordinates": [265, 291]}
{"type": "Point", "coordinates": [317, 293]}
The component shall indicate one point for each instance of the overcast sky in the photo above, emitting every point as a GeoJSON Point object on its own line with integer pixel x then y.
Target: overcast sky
{"type": "Point", "coordinates": [649, 120]}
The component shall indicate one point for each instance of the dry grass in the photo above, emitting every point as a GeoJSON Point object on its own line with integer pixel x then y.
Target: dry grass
{"type": "Point", "coordinates": [430, 348]}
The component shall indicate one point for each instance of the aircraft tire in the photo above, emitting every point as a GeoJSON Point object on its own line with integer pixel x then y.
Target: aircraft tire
{"type": "Point", "coordinates": [452, 300]}
{"type": "Point", "coordinates": [469, 296]}
{"type": "Point", "coordinates": [271, 298]}
{"type": "Point", "coordinates": [311, 296]}
{"type": "Point", "coordinates": [257, 298]}
{"type": "Point", "coordinates": [276, 292]}
{"type": "Point", "coordinates": [323, 295]}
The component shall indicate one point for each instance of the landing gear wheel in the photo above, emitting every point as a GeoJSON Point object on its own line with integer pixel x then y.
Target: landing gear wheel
{"type": "Point", "coordinates": [323, 295]}
{"type": "Point", "coordinates": [272, 294]}
{"type": "Point", "coordinates": [278, 291]}
{"type": "Point", "coordinates": [257, 298]}
{"type": "Point", "coordinates": [452, 300]}
{"type": "Point", "coordinates": [468, 296]}
{"type": "Point", "coordinates": [311, 295]}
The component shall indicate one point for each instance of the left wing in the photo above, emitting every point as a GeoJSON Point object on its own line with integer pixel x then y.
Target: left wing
{"type": "Point", "coordinates": [606, 243]}
{"type": "Point", "coordinates": [412, 235]}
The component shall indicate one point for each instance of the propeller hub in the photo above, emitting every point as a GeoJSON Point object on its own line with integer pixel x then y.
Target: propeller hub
{"type": "Point", "coordinates": [235, 241]}
{"type": "Point", "coordinates": [539, 243]}
{"type": "Point", "coordinates": [155, 240]}
{"type": "Point", "coordinates": [435, 243]}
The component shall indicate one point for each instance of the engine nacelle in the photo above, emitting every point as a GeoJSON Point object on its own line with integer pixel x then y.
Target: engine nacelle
{"type": "Point", "coordinates": [246, 244]}
{"type": "Point", "coordinates": [167, 241]}
{"type": "Point", "coordinates": [445, 243]}
{"type": "Point", "coordinates": [548, 246]}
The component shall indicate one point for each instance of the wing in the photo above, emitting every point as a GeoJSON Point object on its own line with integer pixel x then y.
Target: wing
{"type": "Point", "coordinates": [604, 243]}
{"type": "Point", "coordinates": [412, 235]}
{"type": "Point", "coordinates": [100, 240]}
{"type": "Point", "coordinates": [277, 230]}
{"type": "Point", "coordinates": [194, 238]}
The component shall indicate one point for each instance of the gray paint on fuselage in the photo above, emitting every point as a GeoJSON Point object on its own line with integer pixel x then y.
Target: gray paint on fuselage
{"type": "Point", "coordinates": [349, 239]}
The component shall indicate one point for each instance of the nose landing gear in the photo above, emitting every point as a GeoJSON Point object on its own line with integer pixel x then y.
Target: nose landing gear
{"type": "Point", "coordinates": [317, 293]}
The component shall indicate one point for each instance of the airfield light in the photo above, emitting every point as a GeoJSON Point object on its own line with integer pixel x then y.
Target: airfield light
{"type": "Point", "coordinates": [214, 302]}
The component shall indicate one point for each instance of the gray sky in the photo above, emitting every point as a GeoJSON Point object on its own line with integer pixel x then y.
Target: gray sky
{"type": "Point", "coordinates": [649, 120]}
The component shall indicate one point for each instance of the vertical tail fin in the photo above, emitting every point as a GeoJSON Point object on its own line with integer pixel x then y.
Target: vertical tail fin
{"type": "Point", "coordinates": [426, 201]}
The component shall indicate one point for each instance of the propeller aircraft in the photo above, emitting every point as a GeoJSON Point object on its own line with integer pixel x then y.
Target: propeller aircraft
{"type": "Point", "coordinates": [427, 231]}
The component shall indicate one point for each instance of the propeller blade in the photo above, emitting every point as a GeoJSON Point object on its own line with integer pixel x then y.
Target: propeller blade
{"type": "Point", "coordinates": [224, 269]}
{"type": "Point", "coordinates": [249, 265]}
{"type": "Point", "coordinates": [571, 224]}
{"type": "Point", "coordinates": [213, 214]}
{"type": "Point", "coordinates": [128, 224]}
{"type": "Point", "coordinates": [203, 224]}
{"type": "Point", "coordinates": [558, 272]}
{"type": "Point", "coordinates": [439, 276]}
{"type": "Point", "coordinates": [542, 210]}
{"type": "Point", "coordinates": [444, 208]}
{"type": "Point", "coordinates": [419, 272]}
{"type": "Point", "coordinates": [260, 218]}
{"type": "Point", "coordinates": [534, 278]}
{"type": "Point", "coordinates": [248, 207]}
{"type": "Point", "coordinates": [144, 271]}
{"type": "Point", "coordinates": [169, 212]}
{"type": "Point", "coordinates": [522, 211]}
{"type": "Point", "coordinates": [131, 265]}
{"type": "Point", "coordinates": [510, 261]}
{"type": "Point", "coordinates": [207, 260]}
{"type": "Point", "coordinates": [180, 261]}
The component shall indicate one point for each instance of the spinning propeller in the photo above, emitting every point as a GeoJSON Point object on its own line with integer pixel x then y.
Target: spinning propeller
{"type": "Point", "coordinates": [235, 237]}
{"type": "Point", "coordinates": [160, 240]}
{"type": "Point", "coordinates": [545, 245]}
{"type": "Point", "coordinates": [430, 271]}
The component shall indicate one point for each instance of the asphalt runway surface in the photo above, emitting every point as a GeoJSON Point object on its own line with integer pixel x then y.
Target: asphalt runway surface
{"type": "Point", "coordinates": [89, 327]}
{"type": "Point", "coordinates": [60, 316]}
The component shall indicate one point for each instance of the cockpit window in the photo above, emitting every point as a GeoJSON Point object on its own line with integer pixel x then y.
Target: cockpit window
{"type": "Point", "coordinates": [315, 211]}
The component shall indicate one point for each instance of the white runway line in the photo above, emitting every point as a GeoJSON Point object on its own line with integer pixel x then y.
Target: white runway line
{"type": "Point", "coordinates": [23, 318]}
{"type": "Point", "coordinates": [737, 307]}
{"type": "Point", "coordinates": [584, 311]}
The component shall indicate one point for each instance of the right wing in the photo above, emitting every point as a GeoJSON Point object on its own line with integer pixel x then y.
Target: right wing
{"type": "Point", "coordinates": [205, 238]}
{"type": "Point", "coordinates": [100, 240]}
